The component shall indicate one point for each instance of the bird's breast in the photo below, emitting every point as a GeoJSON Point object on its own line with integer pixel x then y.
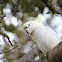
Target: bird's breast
{"type": "Point", "coordinates": [45, 40]}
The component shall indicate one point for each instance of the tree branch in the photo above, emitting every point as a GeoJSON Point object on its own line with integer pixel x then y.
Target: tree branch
{"type": "Point", "coordinates": [55, 55]}
{"type": "Point", "coordinates": [2, 16]}
{"type": "Point", "coordinates": [9, 50]}
{"type": "Point", "coordinates": [53, 6]}
{"type": "Point", "coordinates": [5, 35]}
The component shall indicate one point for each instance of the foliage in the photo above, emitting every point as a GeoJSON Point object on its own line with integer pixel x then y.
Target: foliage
{"type": "Point", "coordinates": [10, 28]}
{"type": "Point", "coordinates": [23, 5]}
{"type": "Point", "coordinates": [60, 2]}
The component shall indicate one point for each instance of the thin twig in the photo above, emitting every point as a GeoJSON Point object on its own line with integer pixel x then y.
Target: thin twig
{"type": "Point", "coordinates": [9, 50]}
{"type": "Point", "coordinates": [5, 35]}
{"type": "Point", "coordinates": [2, 16]}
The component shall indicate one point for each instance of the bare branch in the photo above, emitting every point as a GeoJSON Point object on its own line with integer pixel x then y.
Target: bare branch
{"type": "Point", "coordinates": [2, 16]}
{"type": "Point", "coordinates": [53, 6]}
{"type": "Point", "coordinates": [5, 35]}
{"type": "Point", "coordinates": [9, 50]}
{"type": "Point", "coordinates": [55, 55]}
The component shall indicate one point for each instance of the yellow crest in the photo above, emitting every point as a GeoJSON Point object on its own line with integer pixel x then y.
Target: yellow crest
{"type": "Point", "coordinates": [39, 19]}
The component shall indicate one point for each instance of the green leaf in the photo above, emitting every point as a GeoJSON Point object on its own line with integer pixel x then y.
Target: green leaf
{"type": "Point", "coordinates": [48, 12]}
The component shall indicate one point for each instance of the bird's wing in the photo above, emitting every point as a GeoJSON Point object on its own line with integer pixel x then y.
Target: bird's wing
{"type": "Point", "coordinates": [52, 31]}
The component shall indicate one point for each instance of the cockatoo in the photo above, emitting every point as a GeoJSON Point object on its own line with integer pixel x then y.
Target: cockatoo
{"type": "Point", "coordinates": [44, 37]}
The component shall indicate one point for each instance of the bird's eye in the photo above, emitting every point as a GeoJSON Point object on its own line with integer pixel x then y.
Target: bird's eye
{"type": "Point", "coordinates": [28, 24]}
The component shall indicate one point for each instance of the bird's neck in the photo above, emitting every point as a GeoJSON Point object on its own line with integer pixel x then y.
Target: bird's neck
{"type": "Point", "coordinates": [42, 26]}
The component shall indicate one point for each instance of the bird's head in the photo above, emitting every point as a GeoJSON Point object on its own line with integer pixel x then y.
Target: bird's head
{"type": "Point", "coordinates": [31, 26]}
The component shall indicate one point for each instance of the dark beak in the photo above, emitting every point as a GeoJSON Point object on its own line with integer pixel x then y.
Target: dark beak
{"type": "Point", "coordinates": [26, 30]}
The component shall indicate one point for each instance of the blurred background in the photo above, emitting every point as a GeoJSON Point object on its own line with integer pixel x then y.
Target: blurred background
{"type": "Point", "coordinates": [17, 13]}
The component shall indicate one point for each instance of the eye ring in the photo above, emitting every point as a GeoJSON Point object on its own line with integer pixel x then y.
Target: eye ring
{"type": "Point", "coordinates": [28, 24]}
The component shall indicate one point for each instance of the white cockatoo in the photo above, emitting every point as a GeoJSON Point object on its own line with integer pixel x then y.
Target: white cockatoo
{"type": "Point", "coordinates": [44, 37]}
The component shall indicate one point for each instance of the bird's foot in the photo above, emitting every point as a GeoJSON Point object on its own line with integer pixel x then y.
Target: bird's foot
{"type": "Point", "coordinates": [44, 57]}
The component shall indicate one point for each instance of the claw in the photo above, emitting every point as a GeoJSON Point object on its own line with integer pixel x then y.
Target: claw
{"type": "Point", "coordinates": [42, 59]}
